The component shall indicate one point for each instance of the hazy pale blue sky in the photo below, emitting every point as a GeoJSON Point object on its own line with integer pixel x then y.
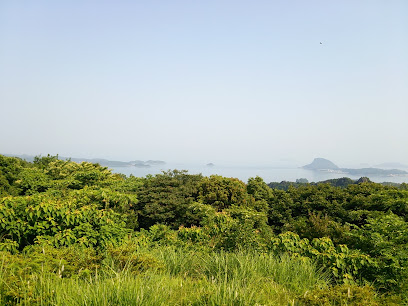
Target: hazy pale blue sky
{"type": "Point", "coordinates": [205, 81]}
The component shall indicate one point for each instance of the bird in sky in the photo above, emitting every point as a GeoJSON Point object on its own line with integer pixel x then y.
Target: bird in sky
{"type": "Point", "coordinates": [321, 43]}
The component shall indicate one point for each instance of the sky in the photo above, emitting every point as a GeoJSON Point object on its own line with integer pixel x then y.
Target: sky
{"type": "Point", "coordinates": [206, 81]}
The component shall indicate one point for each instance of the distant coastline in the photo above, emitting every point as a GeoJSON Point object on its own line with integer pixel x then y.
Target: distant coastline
{"type": "Point", "coordinates": [101, 161]}
{"type": "Point", "coordinates": [325, 165]}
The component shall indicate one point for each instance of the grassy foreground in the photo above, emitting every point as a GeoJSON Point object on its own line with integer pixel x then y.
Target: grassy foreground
{"type": "Point", "coordinates": [168, 276]}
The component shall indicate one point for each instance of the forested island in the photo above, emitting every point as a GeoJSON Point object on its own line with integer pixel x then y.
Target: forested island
{"type": "Point", "coordinates": [321, 164]}
{"type": "Point", "coordinates": [77, 234]}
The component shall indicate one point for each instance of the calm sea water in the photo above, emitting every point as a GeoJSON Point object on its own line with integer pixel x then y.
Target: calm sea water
{"type": "Point", "coordinates": [269, 174]}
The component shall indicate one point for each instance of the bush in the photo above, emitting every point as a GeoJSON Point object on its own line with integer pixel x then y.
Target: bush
{"type": "Point", "coordinates": [344, 265]}
{"type": "Point", "coordinates": [130, 259]}
{"type": "Point", "coordinates": [345, 295]}
{"type": "Point", "coordinates": [385, 238]}
{"type": "Point", "coordinates": [20, 274]}
{"type": "Point", "coordinates": [25, 219]}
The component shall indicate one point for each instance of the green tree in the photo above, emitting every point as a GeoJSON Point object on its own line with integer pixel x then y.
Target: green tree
{"type": "Point", "coordinates": [42, 162]}
{"type": "Point", "coordinates": [32, 181]}
{"type": "Point", "coordinates": [221, 192]}
{"type": "Point", "coordinates": [166, 198]}
{"type": "Point", "coordinates": [385, 238]}
{"type": "Point", "coordinates": [10, 168]}
{"type": "Point", "coordinates": [261, 193]}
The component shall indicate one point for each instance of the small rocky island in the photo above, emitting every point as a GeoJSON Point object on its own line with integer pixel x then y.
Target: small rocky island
{"type": "Point", "coordinates": [322, 164]}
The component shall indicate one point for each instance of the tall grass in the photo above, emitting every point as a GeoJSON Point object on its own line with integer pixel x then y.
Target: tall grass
{"type": "Point", "coordinates": [186, 278]}
{"type": "Point", "coordinates": [296, 274]}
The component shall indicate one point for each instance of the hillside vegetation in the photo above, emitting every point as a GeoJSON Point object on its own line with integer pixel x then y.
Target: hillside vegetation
{"type": "Point", "coordinates": [77, 234]}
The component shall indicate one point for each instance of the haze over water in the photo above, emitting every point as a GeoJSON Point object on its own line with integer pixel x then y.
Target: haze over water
{"type": "Point", "coordinates": [269, 174]}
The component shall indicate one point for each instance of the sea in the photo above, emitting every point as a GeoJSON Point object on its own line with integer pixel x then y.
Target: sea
{"type": "Point", "coordinates": [267, 173]}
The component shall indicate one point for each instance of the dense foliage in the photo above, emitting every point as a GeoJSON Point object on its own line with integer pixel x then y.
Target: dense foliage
{"type": "Point", "coordinates": [62, 222]}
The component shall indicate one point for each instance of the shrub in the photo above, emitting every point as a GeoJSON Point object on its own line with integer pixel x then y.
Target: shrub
{"type": "Point", "coordinates": [345, 265]}
{"type": "Point", "coordinates": [25, 219]}
{"type": "Point", "coordinates": [128, 257]}
{"type": "Point", "coordinates": [343, 295]}
{"type": "Point", "coordinates": [385, 238]}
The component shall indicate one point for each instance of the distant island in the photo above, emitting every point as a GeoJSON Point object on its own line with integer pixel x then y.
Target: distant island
{"type": "Point", "coordinates": [322, 164]}
{"type": "Point", "coordinates": [115, 163]}
{"type": "Point", "coordinates": [210, 165]}
{"type": "Point", "coordinates": [155, 162]}
{"type": "Point", "coordinates": [392, 165]}
{"type": "Point", "coordinates": [146, 164]}
{"type": "Point", "coordinates": [102, 162]}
